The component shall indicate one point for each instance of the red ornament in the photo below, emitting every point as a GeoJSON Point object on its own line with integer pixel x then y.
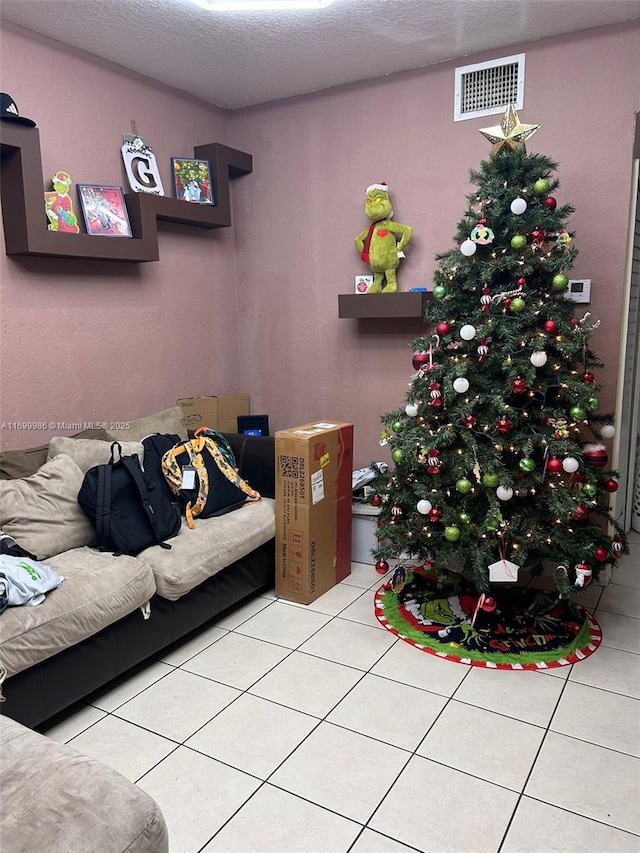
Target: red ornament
{"type": "Point", "coordinates": [578, 478]}
{"type": "Point", "coordinates": [554, 465]}
{"type": "Point", "coordinates": [518, 386]}
{"type": "Point", "coordinates": [419, 360]}
{"type": "Point", "coordinates": [521, 282]}
{"type": "Point", "coordinates": [596, 455]}
{"type": "Point", "coordinates": [617, 546]}
{"type": "Point", "coordinates": [550, 327]}
{"type": "Point", "coordinates": [601, 554]}
{"type": "Point", "coordinates": [580, 512]}
{"type": "Point", "coordinates": [550, 202]}
{"type": "Point", "coordinates": [504, 426]}
{"type": "Point", "coordinates": [588, 377]}
{"type": "Point", "coordinates": [376, 500]}
{"type": "Point", "coordinates": [382, 567]}
{"type": "Point", "coordinates": [468, 421]}
{"type": "Point", "coordinates": [443, 329]}
{"type": "Point", "coordinates": [538, 236]}
{"type": "Point", "coordinates": [488, 604]}
{"type": "Point", "coordinates": [573, 321]}
{"type": "Point", "coordinates": [506, 302]}
{"type": "Point", "coordinates": [435, 514]}
{"type": "Point", "coordinates": [611, 486]}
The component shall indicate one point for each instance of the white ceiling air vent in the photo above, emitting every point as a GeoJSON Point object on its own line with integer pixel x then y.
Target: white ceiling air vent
{"type": "Point", "coordinates": [489, 87]}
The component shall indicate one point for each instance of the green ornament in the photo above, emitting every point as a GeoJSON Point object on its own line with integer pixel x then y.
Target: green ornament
{"type": "Point", "coordinates": [398, 426]}
{"type": "Point", "coordinates": [589, 489]}
{"type": "Point", "coordinates": [527, 464]}
{"type": "Point", "coordinates": [452, 534]}
{"type": "Point", "coordinates": [541, 186]}
{"type": "Point", "coordinates": [517, 305]}
{"type": "Point", "coordinates": [519, 241]}
{"type": "Point", "coordinates": [491, 524]}
{"type": "Point", "coordinates": [397, 455]}
{"type": "Point", "coordinates": [560, 281]}
{"type": "Point", "coordinates": [464, 486]}
{"type": "Point", "coordinates": [464, 518]}
{"type": "Point", "coordinates": [490, 480]}
{"type": "Point", "coordinates": [439, 292]}
{"type": "Point", "coordinates": [577, 413]}
{"type": "Point", "coordinates": [593, 403]}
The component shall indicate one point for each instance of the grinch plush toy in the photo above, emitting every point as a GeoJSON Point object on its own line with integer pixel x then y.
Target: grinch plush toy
{"type": "Point", "coordinates": [377, 244]}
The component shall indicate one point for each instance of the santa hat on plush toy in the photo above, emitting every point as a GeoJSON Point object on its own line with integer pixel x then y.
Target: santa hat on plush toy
{"type": "Point", "coordinates": [382, 186]}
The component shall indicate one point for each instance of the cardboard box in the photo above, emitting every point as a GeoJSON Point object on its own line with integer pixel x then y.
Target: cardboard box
{"type": "Point", "coordinates": [219, 413]}
{"type": "Point", "coordinates": [313, 509]}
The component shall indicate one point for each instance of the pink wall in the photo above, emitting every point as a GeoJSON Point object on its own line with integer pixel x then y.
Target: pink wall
{"type": "Point", "coordinates": [86, 341]}
{"type": "Point", "coordinates": [314, 158]}
{"type": "Point", "coordinates": [255, 307]}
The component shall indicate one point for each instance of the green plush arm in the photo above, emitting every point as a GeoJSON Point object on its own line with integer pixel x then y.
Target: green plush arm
{"type": "Point", "coordinates": [405, 231]}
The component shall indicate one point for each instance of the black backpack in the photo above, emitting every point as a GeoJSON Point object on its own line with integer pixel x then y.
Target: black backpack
{"type": "Point", "coordinates": [129, 511]}
{"type": "Point", "coordinates": [216, 487]}
{"type": "Point", "coordinates": [155, 446]}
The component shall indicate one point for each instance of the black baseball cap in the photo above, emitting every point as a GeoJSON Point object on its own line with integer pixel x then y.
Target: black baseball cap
{"type": "Point", "coordinates": [9, 111]}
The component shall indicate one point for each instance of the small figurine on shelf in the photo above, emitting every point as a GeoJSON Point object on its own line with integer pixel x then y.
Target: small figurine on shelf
{"type": "Point", "coordinates": [59, 206]}
{"type": "Point", "coordinates": [377, 244]}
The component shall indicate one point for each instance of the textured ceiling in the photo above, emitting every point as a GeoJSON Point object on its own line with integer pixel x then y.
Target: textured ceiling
{"type": "Point", "coordinates": [240, 59]}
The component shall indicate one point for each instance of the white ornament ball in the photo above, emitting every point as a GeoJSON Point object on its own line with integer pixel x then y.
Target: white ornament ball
{"type": "Point", "coordinates": [538, 358]}
{"type": "Point", "coordinates": [411, 409]}
{"type": "Point", "coordinates": [468, 248]}
{"type": "Point", "coordinates": [468, 332]}
{"type": "Point", "coordinates": [424, 506]}
{"type": "Point", "coordinates": [518, 206]}
{"type": "Point", "coordinates": [570, 465]}
{"type": "Point", "coordinates": [461, 385]}
{"type": "Point", "coordinates": [608, 431]}
{"type": "Point", "coordinates": [504, 493]}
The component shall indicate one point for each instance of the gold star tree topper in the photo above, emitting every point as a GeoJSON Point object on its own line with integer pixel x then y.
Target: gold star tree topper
{"type": "Point", "coordinates": [510, 132]}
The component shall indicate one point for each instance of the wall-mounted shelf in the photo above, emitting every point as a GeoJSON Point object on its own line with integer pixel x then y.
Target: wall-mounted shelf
{"type": "Point", "coordinates": [383, 305]}
{"type": "Point", "coordinates": [25, 223]}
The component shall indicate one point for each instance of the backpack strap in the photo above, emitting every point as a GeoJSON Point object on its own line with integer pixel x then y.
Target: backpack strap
{"type": "Point", "coordinates": [230, 471]}
{"type": "Point", "coordinates": [136, 475]}
{"type": "Point", "coordinates": [103, 507]}
{"type": "Point", "coordinates": [172, 471]}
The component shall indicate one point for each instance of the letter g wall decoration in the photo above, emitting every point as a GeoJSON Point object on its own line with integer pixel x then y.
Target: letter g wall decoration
{"type": "Point", "coordinates": [141, 165]}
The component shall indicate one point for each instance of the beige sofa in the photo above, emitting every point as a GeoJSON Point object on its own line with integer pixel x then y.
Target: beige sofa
{"type": "Point", "coordinates": [111, 613]}
{"type": "Point", "coordinates": [58, 800]}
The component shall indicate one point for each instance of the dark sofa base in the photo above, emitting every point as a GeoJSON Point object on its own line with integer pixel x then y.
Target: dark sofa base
{"type": "Point", "coordinates": [44, 690]}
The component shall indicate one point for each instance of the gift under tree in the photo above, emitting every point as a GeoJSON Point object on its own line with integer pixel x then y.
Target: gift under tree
{"type": "Point", "coordinates": [501, 466]}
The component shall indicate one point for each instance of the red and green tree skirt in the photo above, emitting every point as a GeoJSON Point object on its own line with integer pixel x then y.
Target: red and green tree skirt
{"type": "Point", "coordinates": [499, 453]}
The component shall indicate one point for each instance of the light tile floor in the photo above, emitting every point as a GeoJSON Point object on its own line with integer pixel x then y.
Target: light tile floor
{"type": "Point", "coordinates": [290, 729]}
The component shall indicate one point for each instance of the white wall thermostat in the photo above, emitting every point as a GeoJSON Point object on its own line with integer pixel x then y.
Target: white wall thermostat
{"type": "Point", "coordinates": [579, 290]}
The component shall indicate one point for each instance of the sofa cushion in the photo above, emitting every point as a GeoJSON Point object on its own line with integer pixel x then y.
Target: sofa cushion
{"type": "Point", "coordinates": [24, 463]}
{"type": "Point", "coordinates": [98, 590]}
{"type": "Point", "coordinates": [42, 513]}
{"type": "Point", "coordinates": [86, 453]}
{"type": "Point", "coordinates": [56, 799]}
{"type": "Point", "coordinates": [168, 420]}
{"type": "Point", "coordinates": [213, 545]}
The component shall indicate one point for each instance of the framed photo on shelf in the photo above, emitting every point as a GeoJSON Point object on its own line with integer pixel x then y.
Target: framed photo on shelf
{"type": "Point", "coordinates": [104, 210]}
{"type": "Point", "coordinates": [192, 180]}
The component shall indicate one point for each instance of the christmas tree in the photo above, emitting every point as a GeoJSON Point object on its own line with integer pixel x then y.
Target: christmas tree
{"type": "Point", "coordinates": [500, 466]}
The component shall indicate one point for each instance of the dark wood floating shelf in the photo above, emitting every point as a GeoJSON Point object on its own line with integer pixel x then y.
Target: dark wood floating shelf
{"type": "Point", "coordinates": [25, 222]}
{"type": "Point", "coordinates": [383, 305]}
